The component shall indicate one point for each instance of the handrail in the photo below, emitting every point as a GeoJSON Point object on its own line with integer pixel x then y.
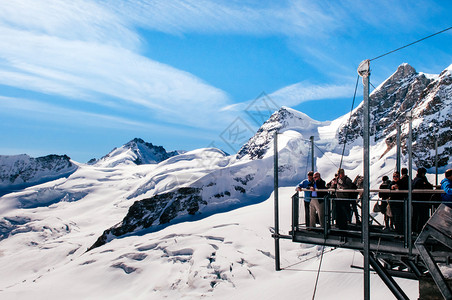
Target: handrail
{"type": "Point", "coordinates": [386, 191]}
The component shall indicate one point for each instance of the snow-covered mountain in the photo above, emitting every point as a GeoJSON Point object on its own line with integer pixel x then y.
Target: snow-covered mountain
{"type": "Point", "coordinates": [19, 171]}
{"type": "Point", "coordinates": [285, 119]}
{"type": "Point", "coordinates": [136, 152]}
{"type": "Point", "coordinates": [134, 217]}
{"type": "Point", "coordinates": [232, 182]}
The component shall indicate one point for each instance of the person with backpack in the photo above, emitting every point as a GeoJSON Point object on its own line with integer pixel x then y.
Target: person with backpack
{"type": "Point", "coordinates": [420, 209]}
{"type": "Point", "coordinates": [384, 204]}
{"type": "Point", "coordinates": [397, 201]}
{"type": "Point", "coordinates": [343, 208]}
{"type": "Point", "coordinates": [446, 186]}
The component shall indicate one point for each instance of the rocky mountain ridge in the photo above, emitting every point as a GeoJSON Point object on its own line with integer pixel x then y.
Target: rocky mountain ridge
{"type": "Point", "coordinates": [280, 121]}
{"type": "Point", "coordinates": [137, 152]}
{"type": "Point", "coordinates": [427, 97]}
{"type": "Point", "coordinates": [19, 171]}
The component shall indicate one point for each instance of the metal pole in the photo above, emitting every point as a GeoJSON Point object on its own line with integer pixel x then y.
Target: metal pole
{"type": "Point", "coordinates": [312, 153]}
{"type": "Point", "coordinates": [410, 177]}
{"type": "Point", "coordinates": [436, 161]}
{"type": "Point", "coordinates": [364, 71]}
{"type": "Point", "coordinates": [276, 185]}
{"type": "Point", "coordinates": [399, 129]}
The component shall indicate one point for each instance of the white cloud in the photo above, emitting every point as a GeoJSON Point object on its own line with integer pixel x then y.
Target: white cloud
{"type": "Point", "coordinates": [76, 20]}
{"type": "Point", "coordinates": [82, 49]}
{"type": "Point", "coordinates": [72, 51]}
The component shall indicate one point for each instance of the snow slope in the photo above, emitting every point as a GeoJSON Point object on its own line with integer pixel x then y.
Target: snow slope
{"type": "Point", "coordinates": [224, 256]}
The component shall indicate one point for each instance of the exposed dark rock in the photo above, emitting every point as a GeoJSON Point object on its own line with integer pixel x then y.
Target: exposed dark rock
{"type": "Point", "coordinates": [157, 210]}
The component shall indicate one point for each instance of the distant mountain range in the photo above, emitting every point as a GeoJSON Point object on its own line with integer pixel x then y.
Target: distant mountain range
{"type": "Point", "coordinates": [55, 209]}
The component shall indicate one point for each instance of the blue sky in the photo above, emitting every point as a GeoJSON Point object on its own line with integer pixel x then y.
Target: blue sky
{"type": "Point", "coordinates": [82, 77]}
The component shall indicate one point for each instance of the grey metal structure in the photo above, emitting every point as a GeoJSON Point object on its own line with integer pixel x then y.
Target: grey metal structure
{"type": "Point", "coordinates": [439, 228]}
{"type": "Point", "coordinates": [389, 254]}
{"type": "Point", "coordinates": [409, 207]}
{"type": "Point", "coordinates": [364, 71]}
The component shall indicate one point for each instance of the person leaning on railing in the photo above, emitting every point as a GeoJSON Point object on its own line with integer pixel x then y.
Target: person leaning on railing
{"type": "Point", "coordinates": [306, 184]}
{"type": "Point", "coordinates": [317, 206]}
{"type": "Point", "coordinates": [446, 186]}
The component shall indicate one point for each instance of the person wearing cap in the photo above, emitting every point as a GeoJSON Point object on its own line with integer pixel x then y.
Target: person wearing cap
{"type": "Point", "coordinates": [307, 184]}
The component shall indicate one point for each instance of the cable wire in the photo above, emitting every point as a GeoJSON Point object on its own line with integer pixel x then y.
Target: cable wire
{"type": "Point", "coordinates": [318, 271]}
{"type": "Point", "coordinates": [380, 56]}
{"type": "Point", "coordinates": [325, 155]}
{"type": "Point", "coordinates": [349, 119]}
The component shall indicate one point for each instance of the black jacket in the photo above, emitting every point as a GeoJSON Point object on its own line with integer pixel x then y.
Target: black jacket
{"type": "Point", "coordinates": [320, 184]}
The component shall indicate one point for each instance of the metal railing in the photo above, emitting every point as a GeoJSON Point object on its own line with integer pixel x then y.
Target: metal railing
{"type": "Point", "coordinates": [330, 200]}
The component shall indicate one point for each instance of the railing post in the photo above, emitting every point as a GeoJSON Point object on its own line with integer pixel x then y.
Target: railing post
{"type": "Point", "coordinates": [295, 212]}
{"type": "Point", "coordinates": [326, 215]}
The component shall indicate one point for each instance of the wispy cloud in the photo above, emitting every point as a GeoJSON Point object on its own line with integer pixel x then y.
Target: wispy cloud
{"type": "Point", "coordinates": [239, 17]}
{"type": "Point", "coordinates": [34, 109]}
{"type": "Point", "coordinates": [298, 93]}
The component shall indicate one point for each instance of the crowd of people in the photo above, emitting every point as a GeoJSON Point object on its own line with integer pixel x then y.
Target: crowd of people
{"type": "Point", "coordinates": [391, 204]}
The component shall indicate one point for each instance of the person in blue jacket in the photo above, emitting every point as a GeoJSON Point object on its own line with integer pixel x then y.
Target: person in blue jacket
{"type": "Point", "coordinates": [307, 184]}
{"type": "Point", "coordinates": [446, 186]}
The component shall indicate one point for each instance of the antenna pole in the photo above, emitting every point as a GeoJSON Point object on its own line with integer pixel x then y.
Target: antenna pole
{"type": "Point", "coordinates": [275, 169]}
{"type": "Point", "coordinates": [436, 161]}
{"type": "Point", "coordinates": [312, 154]}
{"type": "Point", "coordinates": [364, 71]}
{"type": "Point", "coordinates": [398, 148]}
{"type": "Point", "coordinates": [409, 209]}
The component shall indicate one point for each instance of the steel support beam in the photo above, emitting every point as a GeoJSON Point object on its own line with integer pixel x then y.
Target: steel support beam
{"type": "Point", "coordinates": [409, 210]}
{"type": "Point", "coordinates": [364, 71]}
{"type": "Point", "coordinates": [387, 279]}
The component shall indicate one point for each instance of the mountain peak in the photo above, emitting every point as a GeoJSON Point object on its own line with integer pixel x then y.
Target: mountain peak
{"type": "Point", "coordinates": [405, 70]}
{"type": "Point", "coordinates": [137, 152]}
{"type": "Point", "coordinates": [282, 120]}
